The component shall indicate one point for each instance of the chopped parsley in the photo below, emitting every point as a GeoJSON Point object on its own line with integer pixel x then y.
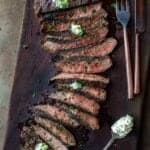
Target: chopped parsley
{"type": "Point", "coordinates": [76, 29]}
{"type": "Point", "coordinates": [60, 127]}
{"type": "Point", "coordinates": [123, 126]}
{"type": "Point", "coordinates": [113, 5]}
{"type": "Point", "coordinates": [76, 85]}
{"type": "Point", "coordinates": [41, 146]}
{"type": "Point", "coordinates": [71, 107]}
{"type": "Point", "coordinates": [83, 9]}
{"type": "Point", "coordinates": [93, 11]}
{"type": "Point", "coordinates": [61, 3]}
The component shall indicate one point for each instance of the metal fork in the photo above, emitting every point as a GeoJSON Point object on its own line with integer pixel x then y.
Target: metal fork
{"type": "Point", "coordinates": [123, 16]}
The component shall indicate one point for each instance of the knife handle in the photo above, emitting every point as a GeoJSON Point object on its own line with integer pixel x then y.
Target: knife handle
{"type": "Point", "coordinates": [128, 64]}
{"type": "Point", "coordinates": [140, 15]}
{"type": "Point", "coordinates": [137, 66]}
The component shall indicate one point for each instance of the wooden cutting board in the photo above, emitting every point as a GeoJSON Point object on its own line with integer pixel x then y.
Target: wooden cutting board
{"type": "Point", "coordinates": [33, 71]}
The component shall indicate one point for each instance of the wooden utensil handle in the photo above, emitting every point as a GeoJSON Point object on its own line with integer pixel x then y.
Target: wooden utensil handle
{"type": "Point", "coordinates": [137, 66]}
{"type": "Point", "coordinates": [128, 64]}
{"type": "Point", "coordinates": [140, 16]}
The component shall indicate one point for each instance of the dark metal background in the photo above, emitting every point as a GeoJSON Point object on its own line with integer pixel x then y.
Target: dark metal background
{"type": "Point", "coordinates": [34, 70]}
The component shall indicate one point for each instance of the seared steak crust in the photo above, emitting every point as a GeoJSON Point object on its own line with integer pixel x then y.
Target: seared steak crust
{"type": "Point", "coordinates": [81, 76]}
{"type": "Point", "coordinates": [50, 139]}
{"type": "Point", "coordinates": [56, 114]}
{"type": "Point", "coordinates": [85, 66]}
{"type": "Point", "coordinates": [76, 100]}
{"type": "Point", "coordinates": [101, 49]}
{"type": "Point", "coordinates": [95, 92]}
{"type": "Point", "coordinates": [45, 6]}
{"type": "Point", "coordinates": [96, 36]}
{"type": "Point", "coordinates": [62, 26]}
{"type": "Point", "coordinates": [57, 130]}
{"type": "Point", "coordinates": [85, 118]}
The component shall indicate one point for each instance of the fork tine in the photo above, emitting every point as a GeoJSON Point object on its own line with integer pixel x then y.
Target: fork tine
{"type": "Point", "coordinates": [117, 6]}
{"type": "Point", "coordinates": [122, 5]}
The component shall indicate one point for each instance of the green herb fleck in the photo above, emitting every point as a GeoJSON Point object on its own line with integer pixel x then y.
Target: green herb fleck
{"type": "Point", "coordinates": [76, 85]}
{"type": "Point", "coordinates": [61, 3]}
{"type": "Point", "coordinates": [93, 11]}
{"type": "Point", "coordinates": [60, 127]}
{"type": "Point", "coordinates": [41, 146]}
{"type": "Point", "coordinates": [50, 140]}
{"type": "Point", "coordinates": [34, 95]}
{"type": "Point", "coordinates": [83, 9]}
{"type": "Point", "coordinates": [71, 107]}
{"type": "Point", "coordinates": [113, 5]}
{"type": "Point", "coordinates": [76, 29]}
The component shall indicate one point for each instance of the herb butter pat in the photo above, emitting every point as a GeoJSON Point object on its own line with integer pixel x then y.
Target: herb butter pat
{"type": "Point", "coordinates": [41, 146]}
{"type": "Point", "coordinates": [76, 85]}
{"type": "Point", "coordinates": [61, 3]}
{"type": "Point", "coordinates": [76, 29]}
{"type": "Point", "coordinates": [123, 126]}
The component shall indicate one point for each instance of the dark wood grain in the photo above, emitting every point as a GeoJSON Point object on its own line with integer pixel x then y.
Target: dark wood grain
{"type": "Point", "coordinates": [32, 74]}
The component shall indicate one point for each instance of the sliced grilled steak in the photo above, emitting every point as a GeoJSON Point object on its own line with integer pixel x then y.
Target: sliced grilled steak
{"type": "Point", "coordinates": [82, 76]}
{"type": "Point", "coordinates": [69, 37]}
{"type": "Point", "coordinates": [51, 140]}
{"type": "Point", "coordinates": [86, 23]}
{"type": "Point", "coordinates": [97, 36]}
{"type": "Point", "coordinates": [95, 92]}
{"type": "Point", "coordinates": [29, 138]}
{"type": "Point", "coordinates": [76, 100]}
{"type": "Point", "coordinates": [101, 49]}
{"type": "Point", "coordinates": [56, 114]}
{"type": "Point", "coordinates": [85, 66]}
{"type": "Point", "coordinates": [84, 118]}
{"type": "Point", "coordinates": [57, 130]}
{"type": "Point", "coordinates": [45, 6]}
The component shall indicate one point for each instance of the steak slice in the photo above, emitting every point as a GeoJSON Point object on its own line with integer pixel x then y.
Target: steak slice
{"type": "Point", "coordinates": [95, 92]}
{"type": "Point", "coordinates": [57, 130]}
{"type": "Point", "coordinates": [82, 76]}
{"type": "Point", "coordinates": [85, 66]}
{"type": "Point", "coordinates": [96, 36]}
{"type": "Point", "coordinates": [29, 138]}
{"type": "Point", "coordinates": [62, 26]}
{"type": "Point", "coordinates": [56, 114]}
{"type": "Point", "coordinates": [50, 139]}
{"type": "Point", "coordinates": [69, 37]}
{"type": "Point", "coordinates": [45, 6]}
{"type": "Point", "coordinates": [76, 100]}
{"type": "Point", "coordinates": [85, 118]}
{"type": "Point", "coordinates": [102, 49]}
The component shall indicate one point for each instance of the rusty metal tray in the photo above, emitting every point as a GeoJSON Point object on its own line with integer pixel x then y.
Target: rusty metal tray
{"type": "Point", "coordinates": [33, 71]}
